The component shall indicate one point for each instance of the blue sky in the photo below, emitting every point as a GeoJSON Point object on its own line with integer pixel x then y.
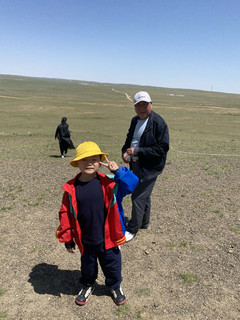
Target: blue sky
{"type": "Point", "coordinates": [192, 44]}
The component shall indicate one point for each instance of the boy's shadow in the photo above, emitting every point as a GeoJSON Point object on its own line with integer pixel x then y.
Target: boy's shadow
{"type": "Point", "coordinates": [48, 279]}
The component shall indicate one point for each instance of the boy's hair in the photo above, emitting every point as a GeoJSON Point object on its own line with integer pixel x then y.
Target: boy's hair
{"type": "Point", "coordinates": [87, 149]}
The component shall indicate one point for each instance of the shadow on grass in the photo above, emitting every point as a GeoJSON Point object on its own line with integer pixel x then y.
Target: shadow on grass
{"type": "Point", "coordinates": [54, 156]}
{"type": "Point", "coordinates": [48, 279]}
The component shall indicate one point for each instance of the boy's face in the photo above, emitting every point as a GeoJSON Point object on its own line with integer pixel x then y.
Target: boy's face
{"type": "Point", "coordinates": [89, 165]}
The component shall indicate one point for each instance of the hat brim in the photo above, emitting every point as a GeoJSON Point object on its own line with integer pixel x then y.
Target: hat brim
{"type": "Point", "coordinates": [145, 100]}
{"type": "Point", "coordinates": [86, 155]}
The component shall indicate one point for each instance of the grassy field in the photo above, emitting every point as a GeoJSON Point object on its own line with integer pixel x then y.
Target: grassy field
{"type": "Point", "coordinates": [185, 266]}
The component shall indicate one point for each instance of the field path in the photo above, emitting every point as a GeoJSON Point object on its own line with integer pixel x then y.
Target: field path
{"type": "Point", "coordinates": [126, 94]}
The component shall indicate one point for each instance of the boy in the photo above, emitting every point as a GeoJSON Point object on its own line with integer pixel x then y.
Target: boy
{"type": "Point", "coordinates": [92, 216]}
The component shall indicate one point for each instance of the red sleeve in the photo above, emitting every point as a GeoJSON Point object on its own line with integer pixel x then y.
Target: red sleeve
{"type": "Point", "coordinates": [65, 230]}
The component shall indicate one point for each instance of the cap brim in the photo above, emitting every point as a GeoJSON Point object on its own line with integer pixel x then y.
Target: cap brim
{"type": "Point", "coordinates": [86, 155]}
{"type": "Point", "coordinates": [141, 101]}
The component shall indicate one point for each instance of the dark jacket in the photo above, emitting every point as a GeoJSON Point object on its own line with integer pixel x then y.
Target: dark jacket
{"type": "Point", "coordinates": [62, 132]}
{"type": "Point", "coordinates": [153, 146]}
{"type": "Point", "coordinates": [63, 135]}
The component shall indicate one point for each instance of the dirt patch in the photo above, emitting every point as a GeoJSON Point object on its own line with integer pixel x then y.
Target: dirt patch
{"type": "Point", "coordinates": [185, 266]}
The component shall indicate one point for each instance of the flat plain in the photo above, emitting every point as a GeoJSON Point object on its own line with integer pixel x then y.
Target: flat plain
{"type": "Point", "coordinates": [185, 266]}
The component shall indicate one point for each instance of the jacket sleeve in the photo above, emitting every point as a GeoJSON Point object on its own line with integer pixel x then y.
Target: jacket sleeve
{"type": "Point", "coordinates": [57, 132]}
{"type": "Point", "coordinates": [127, 181]}
{"type": "Point", "coordinates": [129, 136]}
{"type": "Point", "coordinates": [65, 232]}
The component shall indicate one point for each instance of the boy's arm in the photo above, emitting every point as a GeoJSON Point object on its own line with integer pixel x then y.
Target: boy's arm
{"type": "Point", "coordinates": [64, 231]}
{"type": "Point", "coordinates": [126, 180]}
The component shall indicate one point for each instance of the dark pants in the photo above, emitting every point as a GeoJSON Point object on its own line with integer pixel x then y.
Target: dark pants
{"type": "Point", "coordinates": [63, 147]}
{"type": "Point", "coordinates": [110, 262]}
{"type": "Point", "coordinates": [141, 202]}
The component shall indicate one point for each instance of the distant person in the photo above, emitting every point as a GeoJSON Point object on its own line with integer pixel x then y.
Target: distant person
{"type": "Point", "coordinates": [145, 149]}
{"type": "Point", "coordinates": [92, 216]}
{"type": "Point", "coordinates": [63, 135]}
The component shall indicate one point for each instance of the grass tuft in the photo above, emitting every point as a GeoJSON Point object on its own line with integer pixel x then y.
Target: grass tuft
{"type": "Point", "coordinates": [6, 208]}
{"type": "Point", "coordinates": [3, 314]}
{"type": "Point", "coordinates": [189, 277]}
{"type": "Point", "coordinates": [123, 310]}
{"type": "Point", "coordinates": [234, 229]}
{"type": "Point", "coordinates": [2, 292]}
{"type": "Point", "coordinates": [144, 292]}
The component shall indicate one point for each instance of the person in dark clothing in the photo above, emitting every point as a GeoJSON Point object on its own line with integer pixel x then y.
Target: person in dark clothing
{"type": "Point", "coordinates": [145, 149]}
{"type": "Point", "coordinates": [63, 135]}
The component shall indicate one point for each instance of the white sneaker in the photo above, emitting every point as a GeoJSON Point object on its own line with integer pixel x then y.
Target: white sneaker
{"type": "Point", "coordinates": [129, 236]}
{"type": "Point", "coordinates": [62, 156]}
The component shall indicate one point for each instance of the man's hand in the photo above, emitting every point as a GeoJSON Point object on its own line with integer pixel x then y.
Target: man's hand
{"type": "Point", "coordinates": [126, 157]}
{"type": "Point", "coordinates": [130, 152]}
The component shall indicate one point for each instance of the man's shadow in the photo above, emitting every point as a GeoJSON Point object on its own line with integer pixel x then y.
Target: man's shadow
{"type": "Point", "coordinates": [48, 279]}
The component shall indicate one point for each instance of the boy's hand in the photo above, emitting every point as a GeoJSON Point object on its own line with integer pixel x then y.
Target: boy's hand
{"type": "Point", "coordinates": [111, 165]}
{"type": "Point", "coordinates": [70, 247]}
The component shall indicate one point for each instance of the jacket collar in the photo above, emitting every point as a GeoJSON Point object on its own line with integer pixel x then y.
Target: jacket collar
{"type": "Point", "coordinates": [70, 185]}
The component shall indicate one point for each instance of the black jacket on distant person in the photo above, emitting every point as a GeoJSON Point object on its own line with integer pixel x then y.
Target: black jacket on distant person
{"type": "Point", "coordinates": [153, 146]}
{"type": "Point", "coordinates": [63, 135]}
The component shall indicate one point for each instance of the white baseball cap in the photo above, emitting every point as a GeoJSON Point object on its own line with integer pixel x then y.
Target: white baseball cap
{"type": "Point", "coordinates": [142, 96]}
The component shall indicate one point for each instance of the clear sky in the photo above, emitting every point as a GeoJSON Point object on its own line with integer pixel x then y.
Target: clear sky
{"type": "Point", "coordinates": [192, 44]}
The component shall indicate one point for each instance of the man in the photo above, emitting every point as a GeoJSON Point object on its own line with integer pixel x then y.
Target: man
{"type": "Point", "coordinates": [63, 135]}
{"type": "Point", "coordinates": [145, 148]}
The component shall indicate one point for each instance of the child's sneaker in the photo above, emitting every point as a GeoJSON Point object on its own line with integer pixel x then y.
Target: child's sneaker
{"type": "Point", "coordinates": [118, 296]}
{"type": "Point", "coordinates": [84, 295]}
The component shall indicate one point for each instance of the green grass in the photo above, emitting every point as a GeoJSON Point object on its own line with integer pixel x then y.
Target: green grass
{"type": "Point", "coordinates": [139, 314]}
{"type": "Point", "coordinates": [2, 292]}
{"type": "Point", "coordinates": [183, 244]}
{"type": "Point", "coordinates": [189, 277]}
{"type": "Point", "coordinates": [234, 229]}
{"type": "Point", "coordinates": [37, 250]}
{"type": "Point", "coordinates": [197, 249]}
{"type": "Point", "coordinates": [199, 122]}
{"type": "Point", "coordinates": [123, 310]}
{"type": "Point", "coordinates": [6, 208]}
{"type": "Point", "coordinates": [144, 292]}
{"type": "Point", "coordinates": [3, 314]}
{"type": "Point", "coordinates": [171, 245]}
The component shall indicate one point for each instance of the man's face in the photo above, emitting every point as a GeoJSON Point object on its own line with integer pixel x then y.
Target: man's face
{"type": "Point", "coordinates": [143, 109]}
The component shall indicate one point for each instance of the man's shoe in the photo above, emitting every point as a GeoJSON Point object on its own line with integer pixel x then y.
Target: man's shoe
{"type": "Point", "coordinates": [144, 226]}
{"type": "Point", "coordinates": [129, 236]}
{"type": "Point", "coordinates": [62, 156]}
{"type": "Point", "coordinates": [84, 295]}
{"type": "Point", "coordinates": [118, 296]}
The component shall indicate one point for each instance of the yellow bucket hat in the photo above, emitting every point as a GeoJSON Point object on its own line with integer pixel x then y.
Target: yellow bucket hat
{"type": "Point", "coordinates": [87, 149]}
